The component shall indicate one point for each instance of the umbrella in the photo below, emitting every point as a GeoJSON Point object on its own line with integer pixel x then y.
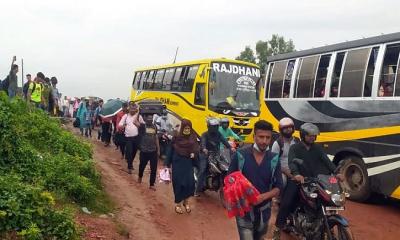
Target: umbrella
{"type": "Point", "coordinates": [111, 108]}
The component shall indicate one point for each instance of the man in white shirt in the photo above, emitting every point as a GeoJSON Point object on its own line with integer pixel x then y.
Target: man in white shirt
{"type": "Point", "coordinates": [131, 123]}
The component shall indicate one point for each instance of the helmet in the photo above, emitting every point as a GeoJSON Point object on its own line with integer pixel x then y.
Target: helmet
{"type": "Point", "coordinates": [212, 122]}
{"type": "Point", "coordinates": [212, 125]}
{"type": "Point", "coordinates": [286, 122]}
{"type": "Point", "coordinates": [308, 129]}
{"type": "Point", "coordinates": [224, 120]}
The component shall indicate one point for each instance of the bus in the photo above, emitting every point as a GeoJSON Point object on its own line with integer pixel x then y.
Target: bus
{"type": "Point", "coordinates": [206, 88]}
{"type": "Point", "coordinates": [351, 91]}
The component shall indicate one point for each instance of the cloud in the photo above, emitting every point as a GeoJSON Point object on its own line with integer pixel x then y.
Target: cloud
{"type": "Point", "coordinates": [93, 47]}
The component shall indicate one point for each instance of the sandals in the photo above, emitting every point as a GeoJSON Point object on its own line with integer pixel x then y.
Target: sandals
{"type": "Point", "coordinates": [178, 209]}
{"type": "Point", "coordinates": [187, 207]}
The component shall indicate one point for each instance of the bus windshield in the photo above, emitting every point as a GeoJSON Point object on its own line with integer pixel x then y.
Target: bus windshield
{"type": "Point", "coordinates": [233, 87]}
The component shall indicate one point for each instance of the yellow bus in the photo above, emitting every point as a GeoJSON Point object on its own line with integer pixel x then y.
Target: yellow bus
{"type": "Point", "coordinates": [204, 88]}
{"type": "Point", "coordinates": [351, 91]}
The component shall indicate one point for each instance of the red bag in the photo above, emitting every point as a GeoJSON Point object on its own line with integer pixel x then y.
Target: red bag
{"type": "Point", "coordinates": [239, 194]}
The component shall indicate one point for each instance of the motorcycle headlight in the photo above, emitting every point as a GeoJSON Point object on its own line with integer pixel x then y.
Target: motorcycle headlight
{"type": "Point", "coordinates": [338, 199]}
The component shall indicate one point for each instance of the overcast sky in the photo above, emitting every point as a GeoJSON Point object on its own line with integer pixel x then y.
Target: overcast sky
{"type": "Point", "coordinates": [93, 46]}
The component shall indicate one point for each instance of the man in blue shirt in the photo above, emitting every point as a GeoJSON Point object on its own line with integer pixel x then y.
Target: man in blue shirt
{"type": "Point", "coordinates": [262, 168]}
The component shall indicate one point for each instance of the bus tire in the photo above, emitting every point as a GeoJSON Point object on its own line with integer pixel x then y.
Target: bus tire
{"type": "Point", "coordinates": [356, 181]}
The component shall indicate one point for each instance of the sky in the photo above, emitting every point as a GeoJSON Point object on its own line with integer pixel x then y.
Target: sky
{"type": "Point", "coordinates": [94, 46]}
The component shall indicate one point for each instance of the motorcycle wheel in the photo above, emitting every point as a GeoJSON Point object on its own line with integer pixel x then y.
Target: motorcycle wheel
{"type": "Point", "coordinates": [340, 232]}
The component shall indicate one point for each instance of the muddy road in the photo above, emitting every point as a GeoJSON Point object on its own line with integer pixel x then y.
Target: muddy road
{"type": "Point", "coordinates": [149, 214]}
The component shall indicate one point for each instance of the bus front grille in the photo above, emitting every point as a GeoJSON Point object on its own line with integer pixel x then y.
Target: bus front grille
{"type": "Point", "coordinates": [242, 131]}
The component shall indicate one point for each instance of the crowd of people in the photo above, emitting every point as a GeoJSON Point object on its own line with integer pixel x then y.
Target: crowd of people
{"type": "Point", "coordinates": [41, 92]}
{"type": "Point", "coordinates": [183, 152]}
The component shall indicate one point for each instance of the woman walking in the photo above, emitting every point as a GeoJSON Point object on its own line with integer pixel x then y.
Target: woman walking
{"type": "Point", "coordinates": [81, 114]}
{"type": "Point", "coordinates": [185, 149]}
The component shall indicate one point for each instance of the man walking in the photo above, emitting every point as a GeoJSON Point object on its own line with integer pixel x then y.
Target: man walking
{"type": "Point", "coordinates": [13, 79]}
{"type": "Point", "coordinates": [262, 168]}
{"type": "Point", "coordinates": [25, 88]}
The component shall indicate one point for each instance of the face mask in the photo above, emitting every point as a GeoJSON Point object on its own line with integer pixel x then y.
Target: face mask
{"type": "Point", "coordinates": [186, 131]}
{"type": "Point", "coordinates": [255, 146]}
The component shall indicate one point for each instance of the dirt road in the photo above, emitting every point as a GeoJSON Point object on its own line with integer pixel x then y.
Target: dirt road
{"type": "Point", "coordinates": [150, 215]}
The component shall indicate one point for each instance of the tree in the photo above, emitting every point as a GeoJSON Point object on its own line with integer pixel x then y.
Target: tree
{"type": "Point", "coordinates": [247, 55]}
{"type": "Point", "coordinates": [276, 45]}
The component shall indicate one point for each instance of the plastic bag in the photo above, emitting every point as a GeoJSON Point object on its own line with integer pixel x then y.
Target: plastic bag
{"type": "Point", "coordinates": [165, 176]}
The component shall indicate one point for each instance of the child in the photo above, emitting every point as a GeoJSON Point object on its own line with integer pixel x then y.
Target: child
{"type": "Point", "coordinates": [149, 149]}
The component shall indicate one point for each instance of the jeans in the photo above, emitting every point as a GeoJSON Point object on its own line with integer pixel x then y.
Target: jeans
{"type": "Point", "coordinates": [11, 93]}
{"type": "Point", "coordinates": [145, 157]}
{"type": "Point", "coordinates": [288, 203]}
{"type": "Point", "coordinates": [130, 150]}
{"type": "Point", "coordinates": [251, 230]}
{"type": "Point", "coordinates": [201, 172]}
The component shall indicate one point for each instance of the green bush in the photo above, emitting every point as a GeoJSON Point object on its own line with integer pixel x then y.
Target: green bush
{"type": "Point", "coordinates": [39, 161]}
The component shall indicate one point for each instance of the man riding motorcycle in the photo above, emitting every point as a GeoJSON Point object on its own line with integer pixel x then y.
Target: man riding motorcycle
{"type": "Point", "coordinates": [315, 162]}
{"type": "Point", "coordinates": [226, 131]}
{"type": "Point", "coordinates": [210, 144]}
{"type": "Point", "coordinates": [230, 136]}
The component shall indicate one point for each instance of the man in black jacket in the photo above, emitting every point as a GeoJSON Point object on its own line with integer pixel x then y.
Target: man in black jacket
{"type": "Point", "coordinates": [315, 162]}
{"type": "Point", "coordinates": [211, 141]}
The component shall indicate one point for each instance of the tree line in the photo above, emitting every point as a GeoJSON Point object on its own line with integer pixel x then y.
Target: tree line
{"type": "Point", "coordinates": [276, 45]}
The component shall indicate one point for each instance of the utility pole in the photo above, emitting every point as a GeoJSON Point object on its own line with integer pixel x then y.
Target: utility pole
{"type": "Point", "coordinates": [176, 54]}
{"type": "Point", "coordinates": [22, 73]}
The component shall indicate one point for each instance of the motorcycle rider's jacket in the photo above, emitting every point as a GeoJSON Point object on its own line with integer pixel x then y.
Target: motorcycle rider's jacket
{"type": "Point", "coordinates": [212, 141]}
{"type": "Point", "coordinates": [315, 161]}
{"type": "Point", "coordinates": [228, 133]}
{"type": "Point", "coordinates": [263, 177]}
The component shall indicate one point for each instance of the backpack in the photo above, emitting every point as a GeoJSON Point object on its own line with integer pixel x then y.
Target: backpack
{"type": "Point", "coordinates": [279, 140]}
{"type": "Point", "coordinates": [5, 84]}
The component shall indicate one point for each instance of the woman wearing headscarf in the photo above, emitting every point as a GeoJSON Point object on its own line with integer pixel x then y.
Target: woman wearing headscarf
{"type": "Point", "coordinates": [185, 149]}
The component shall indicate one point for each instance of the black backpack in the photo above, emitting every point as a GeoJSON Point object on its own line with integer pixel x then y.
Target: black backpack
{"type": "Point", "coordinates": [5, 84]}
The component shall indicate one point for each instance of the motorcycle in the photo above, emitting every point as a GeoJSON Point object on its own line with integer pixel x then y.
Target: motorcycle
{"type": "Point", "coordinates": [317, 214]}
{"type": "Point", "coordinates": [217, 169]}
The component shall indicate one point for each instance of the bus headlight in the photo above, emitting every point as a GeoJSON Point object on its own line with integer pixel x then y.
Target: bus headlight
{"type": "Point", "coordinates": [338, 199]}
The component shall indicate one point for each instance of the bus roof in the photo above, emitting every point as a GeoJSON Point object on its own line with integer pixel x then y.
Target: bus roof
{"type": "Point", "coordinates": [198, 62]}
{"type": "Point", "coordinates": [337, 47]}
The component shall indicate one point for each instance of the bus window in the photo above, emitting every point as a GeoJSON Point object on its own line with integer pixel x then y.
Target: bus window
{"type": "Point", "coordinates": [191, 75]}
{"type": "Point", "coordinates": [352, 83]}
{"type": "Point", "coordinates": [389, 69]}
{"type": "Point", "coordinates": [169, 74]}
{"type": "Point", "coordinates": [200, 94]}
{"type": "Point", "coordinates": [269, 75]}
{"type": "Point", "coordinates": [149, 80]}
{"type": "Point", "coordinates": [369, 76]}
{"type": "Point", "coordinates": [277, 80]}
{"type": "Point", "coordinates": [397, 90]}
{"type": "Point", "coordinates": [337, 71]}
{"type": "Point", "coordinates": [136, 80]}
{"type": "Point", "coordinates": [322, 72]}
{"type": "Point", "coordinates": [159, 79]}
{"type": "Point", "coordinates": [288, 79]}
{"type": "Point", "coordinates": [306, 77]}
{"type": "Point", "coordinates": [143, 79]}
{"type": "Point", "coordinates": [176, 81]}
